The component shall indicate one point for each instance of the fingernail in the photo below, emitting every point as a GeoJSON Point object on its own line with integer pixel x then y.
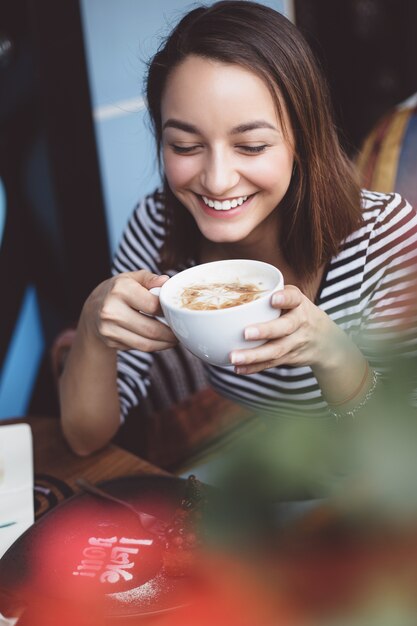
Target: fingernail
{"type": "Point", "coordinates": [240, 370]}
{"type": "Point", "coordinates": [277, 298]}
{"type": "Point", "coordinates": [252, 333]}
{"type": "Point", "coordinates": [237, 358]}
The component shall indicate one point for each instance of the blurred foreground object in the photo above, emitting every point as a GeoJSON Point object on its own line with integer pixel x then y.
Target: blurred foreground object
{"type": "Point", "coordinates": [348, 559]}
{"type": "Point", "coordinates": [388, 158]}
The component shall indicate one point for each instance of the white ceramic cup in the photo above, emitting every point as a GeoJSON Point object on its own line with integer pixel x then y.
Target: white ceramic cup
{"type": "Point", "coordinates": [212, 334]}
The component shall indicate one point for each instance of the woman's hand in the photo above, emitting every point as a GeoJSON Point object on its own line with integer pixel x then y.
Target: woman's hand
{"type": "Point", "coordinates": [118, 313]}
{"type": "Point", "coordinates": [302, 335]}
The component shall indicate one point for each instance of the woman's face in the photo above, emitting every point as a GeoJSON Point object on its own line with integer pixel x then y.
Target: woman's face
{"type": "Point", "coordinates": [225, 154]}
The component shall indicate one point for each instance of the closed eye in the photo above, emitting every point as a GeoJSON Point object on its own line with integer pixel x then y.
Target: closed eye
{"type": "Point", "coordinates": [248, 149]}
{"type": "Point", "coordinates": [183, 149]}
{"type": "Point", "coordinates": [253, 149]}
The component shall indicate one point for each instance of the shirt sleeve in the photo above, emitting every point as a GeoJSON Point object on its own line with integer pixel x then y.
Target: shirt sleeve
{"type": "Point", "coordinates": [389, 289]}
{"type": "Point", "coordinates": [139, 249]}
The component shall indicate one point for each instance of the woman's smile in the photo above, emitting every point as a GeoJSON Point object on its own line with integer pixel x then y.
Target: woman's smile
{"type": "Point", "coordinates": [226, 204]}
{"type": "Point", "coordinates": [224, 209]}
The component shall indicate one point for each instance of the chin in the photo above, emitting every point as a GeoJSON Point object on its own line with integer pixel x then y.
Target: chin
{"type": "Point", "coordinates": [224, 238]}
{"type": "Point", "coordinates": [222, 234]}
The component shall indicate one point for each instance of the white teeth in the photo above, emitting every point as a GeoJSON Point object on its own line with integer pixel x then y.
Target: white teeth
{"type": "Point", "coordinates": [226, 204]}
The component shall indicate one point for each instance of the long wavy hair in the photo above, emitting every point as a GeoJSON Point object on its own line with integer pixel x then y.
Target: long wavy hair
{"type": "Point", "coordinates": [322, 205]}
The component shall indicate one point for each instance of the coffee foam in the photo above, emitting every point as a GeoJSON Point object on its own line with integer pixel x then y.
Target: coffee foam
{"type": "Point", "coordinates": [219, 294]}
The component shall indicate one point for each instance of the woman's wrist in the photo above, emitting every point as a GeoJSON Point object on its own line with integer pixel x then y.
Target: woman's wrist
{"type": "Point", "coordinates": [346, 379]}
{"type": "Point", "coordinates": [358, 402]}
{"type": "Point", "coordinates": [335, 348]}
{"type": "Point", "coordinates": [356, 391]}
{"type": "Point", "coordinates": [342, 371]}
{"type": "Point", "coordinates": [87, 329]}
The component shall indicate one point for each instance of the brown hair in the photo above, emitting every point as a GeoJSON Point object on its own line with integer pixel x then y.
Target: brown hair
{"type": "Point", "coordinates": [322, 205]}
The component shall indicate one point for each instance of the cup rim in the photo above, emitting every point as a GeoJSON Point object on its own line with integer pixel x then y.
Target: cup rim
{"type": "Point", "coordinates": [278, 285]}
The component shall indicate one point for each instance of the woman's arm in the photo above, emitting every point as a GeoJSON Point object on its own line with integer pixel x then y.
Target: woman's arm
{"type": "Point", "coordinates": [116, 316]}
{"type": "Point", "coordinates": [90, 412]}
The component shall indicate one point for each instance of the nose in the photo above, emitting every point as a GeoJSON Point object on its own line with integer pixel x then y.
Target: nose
{"type": "Point", "coordinates": [219, 174]}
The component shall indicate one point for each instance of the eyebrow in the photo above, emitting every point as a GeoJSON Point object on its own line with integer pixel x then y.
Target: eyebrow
{"type": "Point", "coordinates": [241, 128]}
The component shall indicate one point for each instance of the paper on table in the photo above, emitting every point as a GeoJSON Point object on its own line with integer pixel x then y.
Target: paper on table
{"type": "Point", "coordinates": [8, 621]}
{"type": "Point", "coordinates": [16, 483]}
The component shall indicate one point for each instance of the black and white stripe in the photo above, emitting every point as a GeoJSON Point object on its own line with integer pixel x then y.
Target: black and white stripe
{"type": "Point", "coordinates": [369, 289]}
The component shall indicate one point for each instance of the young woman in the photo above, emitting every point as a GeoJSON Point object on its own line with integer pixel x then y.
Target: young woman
{"type": "Point", "coordinates": [252, 168]}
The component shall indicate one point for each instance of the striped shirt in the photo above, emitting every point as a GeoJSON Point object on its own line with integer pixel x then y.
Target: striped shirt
{"type": "Point", "coordinates": [367, 289]}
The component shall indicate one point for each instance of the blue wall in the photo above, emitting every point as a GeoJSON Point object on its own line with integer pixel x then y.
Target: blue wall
{"type": "Point", "coordinates": [23, 358]}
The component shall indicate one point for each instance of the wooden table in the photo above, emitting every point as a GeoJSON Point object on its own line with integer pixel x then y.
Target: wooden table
{"type": "Point", "coordinates": [53, 456]}
{"type": "Point", "coordinates": [57, 468]}
{"type": "Point", "coordinates": [174, 434]}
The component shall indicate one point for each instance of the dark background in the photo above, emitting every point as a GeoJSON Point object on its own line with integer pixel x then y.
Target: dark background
{"type": "Point", "coordinates": [368, 50]}
{"type": "Point", "coordinates": [55, 235]}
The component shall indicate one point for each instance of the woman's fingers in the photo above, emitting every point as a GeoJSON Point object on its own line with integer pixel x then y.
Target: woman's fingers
{"type": "Point", "coordinates": [133, 289]}
{"type": "Point", "coordinates": [286, 341]}
{"type": "Point", "coordinates": [281, 327]}
{"type": "Point", "coordinates": [254, 369]}
{"type": "Point", "coordinates": [125, 311]}
{"type": "Point", "coordinates": [121, 316]}
{"type": "Point", "coordinates": [288, 298]}
{"type": "Point", "coordinates": [276, 352]}
{"type": "Point", "coordinates": [123, 339]}
{"type": "Point", "coordinates": [144, 326]}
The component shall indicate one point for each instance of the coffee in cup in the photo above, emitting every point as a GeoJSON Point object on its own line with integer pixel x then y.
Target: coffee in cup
{"type": "Point", "coordinates": [219, 295]}
{"type": "Point", "coordinates": [208, 306]}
